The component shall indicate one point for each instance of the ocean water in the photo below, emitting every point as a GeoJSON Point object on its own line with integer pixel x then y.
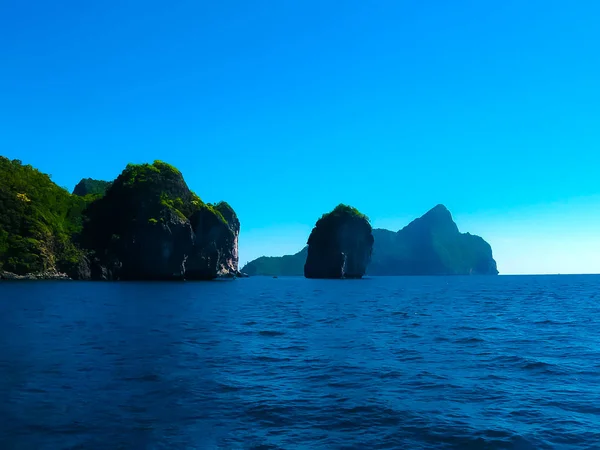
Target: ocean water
{"type": "Point", "coordinates": [464, 362]}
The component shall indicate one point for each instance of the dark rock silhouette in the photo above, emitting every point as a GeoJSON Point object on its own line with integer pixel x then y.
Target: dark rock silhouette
{"type": "Point", "coordinates": [340, 245]}
{"type": "Point", "coordinates": [150, 226]}
{"type": "Point", "coordinates": [430, 245]}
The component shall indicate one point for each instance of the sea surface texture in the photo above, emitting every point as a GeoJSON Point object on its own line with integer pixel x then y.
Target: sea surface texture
{"type": "Point", "coordinates": [415, 363]}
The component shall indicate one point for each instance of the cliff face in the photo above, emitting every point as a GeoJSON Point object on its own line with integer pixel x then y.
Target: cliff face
{"type": "Point", "coordinates": [146, 225]}
{"type": "Point", "coordinates": [340, 245]}
{"type": "Point", "coordinates": [431, 245]}
{"type": "Point", "coordinates": [149, 225]}
{"type": "Point", "coordinates": [215, 244]}
{"type": "Point", "coordinates": [230, 258]}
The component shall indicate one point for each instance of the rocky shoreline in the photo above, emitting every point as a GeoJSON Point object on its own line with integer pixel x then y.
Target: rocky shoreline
{"type": "Point", "coordinates": [57, 276]}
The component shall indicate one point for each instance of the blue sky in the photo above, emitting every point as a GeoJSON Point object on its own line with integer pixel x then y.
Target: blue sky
{"type": "Point", "coordinates": [287, 108]}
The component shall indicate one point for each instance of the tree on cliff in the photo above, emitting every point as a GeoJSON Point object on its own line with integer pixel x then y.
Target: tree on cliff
{"type": "Point", "coordinates": [37, 221]}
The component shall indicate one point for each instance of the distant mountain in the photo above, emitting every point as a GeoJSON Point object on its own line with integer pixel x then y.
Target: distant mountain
{"type": "Point", "coordinates": [429, 245]}
{"type": "Point", "coordinates": [284, 266]}
{"type": "Point", "coordinates": [90, 186]}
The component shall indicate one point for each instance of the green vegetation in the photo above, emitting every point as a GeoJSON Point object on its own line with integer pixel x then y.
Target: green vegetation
{"type": "Point", "coordinates": [164, 181]}
{"type": "Point", "coordinates": [44, 228]}
{"type": "Point", "coordinates": [143, 194]}
{"type": "Point", "coordinates": [327, 227]}
{"type": "Point", "coordinates": [38, 220]}
{"type": "Point", "coordinates": [214, 210]}
{"type": "Point", "coordinates": [174, 204]}
{"type": "Point", "coordinates": [343, 210]}
{"type": "Point", "coordinates": [225, 213]}
{"type": "Point", "coordinates": [88, 186]}
{"type": "Point", "coordinates": [140, 195]}
{"type": "Point", "coordinates": [142, 173]}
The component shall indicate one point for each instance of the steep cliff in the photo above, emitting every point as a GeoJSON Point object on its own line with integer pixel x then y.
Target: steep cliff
{"type": "Point", "coordinates": [230, 258]}
{"type": "Point", "coordinates": [149, 225]}
{"type": "Point", "coordinates": [339, 245]}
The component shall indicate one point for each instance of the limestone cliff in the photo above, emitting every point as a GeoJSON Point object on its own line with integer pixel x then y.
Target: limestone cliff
{"type": "Point", "coordinates": [340, 245]}
{"type": "Point", "coordinates": [150, 226]}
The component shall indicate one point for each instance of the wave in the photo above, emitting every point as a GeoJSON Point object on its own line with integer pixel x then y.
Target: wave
{"type": "Point", "coordinates": [533, 365]}
{"type": "Point", "coordinates": [469, 340]}
{"type": "Point", "coordinates": [271, 333]}
{"type": "Point", "coordinates": [527, 364]}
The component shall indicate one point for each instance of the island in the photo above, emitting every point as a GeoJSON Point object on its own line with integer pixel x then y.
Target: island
{"type": "Point", "coordinates": [429, 245]}
{"type": "Point", "coordinates": [145, 225]}
{"type": "Point", "coordinates": [148, 225]}
{"type": "Point", "coordinates": [339, 245]}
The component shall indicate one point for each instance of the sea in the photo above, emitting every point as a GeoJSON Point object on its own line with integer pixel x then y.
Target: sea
{"type": "Point", "coordinates": [507, 362]}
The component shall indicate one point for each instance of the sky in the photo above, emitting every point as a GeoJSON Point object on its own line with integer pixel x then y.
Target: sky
{"type": "Point", "coordinates": [287, 108]}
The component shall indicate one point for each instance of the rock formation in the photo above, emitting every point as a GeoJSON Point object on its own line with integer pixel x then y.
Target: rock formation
{"type": "Point", "coordinates": [150, 226]}
{"type": "Point", "coordinates": [146, 225]}
{"type": "Point", "coordinates": [430, 245]}
{"type": "Point", "coordinates": [339, 245]}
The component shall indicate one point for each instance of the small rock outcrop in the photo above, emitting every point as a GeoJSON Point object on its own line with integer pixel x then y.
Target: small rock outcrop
{"type": "Point", "coordinates": [150, 226]}
{"type": "Point", "coordinates": [34, 276]}
{"type": "Point", "coordinates": [339, 245]}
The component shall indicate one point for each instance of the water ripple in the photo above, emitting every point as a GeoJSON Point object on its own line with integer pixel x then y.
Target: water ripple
{"type": "Point", "coordinates": [423, 363]}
